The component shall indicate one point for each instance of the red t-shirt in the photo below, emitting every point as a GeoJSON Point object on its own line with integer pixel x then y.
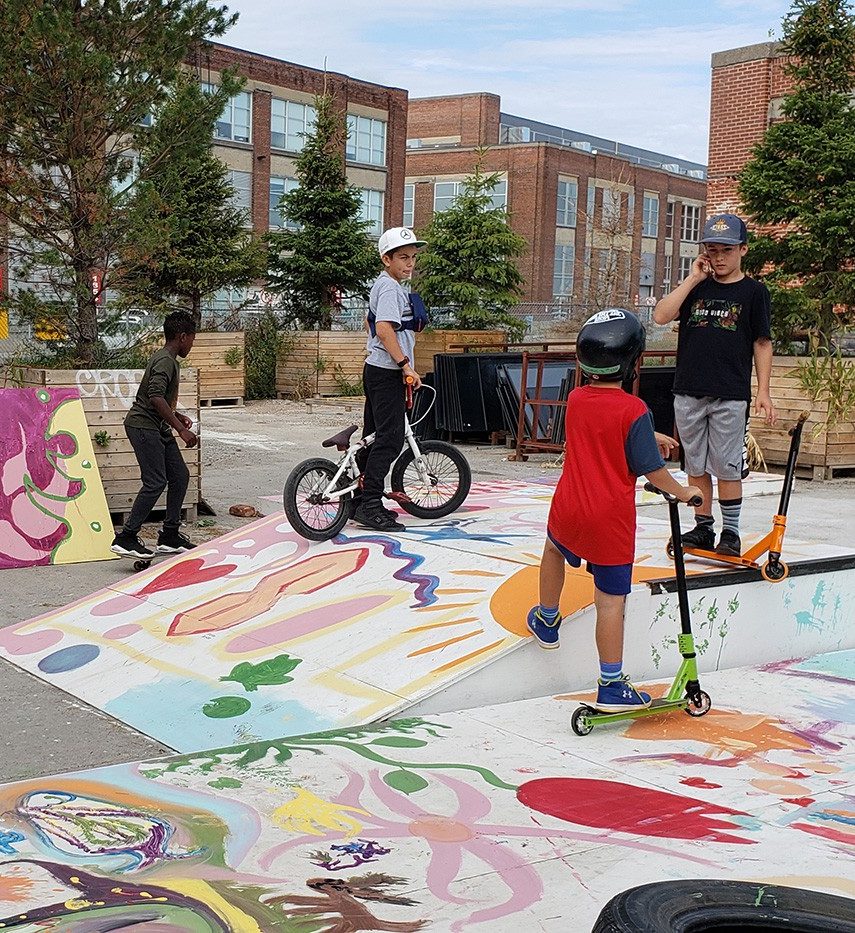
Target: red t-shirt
{"type": "Point", "coordinates": [609, 443]}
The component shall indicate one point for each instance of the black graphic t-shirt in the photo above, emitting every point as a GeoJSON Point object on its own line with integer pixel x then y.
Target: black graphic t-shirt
{"type": "Point", "coordinates": [718, 326]}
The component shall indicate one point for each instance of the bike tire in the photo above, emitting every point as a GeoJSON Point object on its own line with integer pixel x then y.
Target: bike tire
{"type": "Point", "coordinates": [331, 518]}
{"type": "Point", "coordinates": [443, 461]}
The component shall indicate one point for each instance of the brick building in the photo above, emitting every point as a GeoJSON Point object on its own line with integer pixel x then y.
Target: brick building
{"type": "Point", "coordinates": [605, 221]}
{"type": "Point", "coordinates": [748, 85]}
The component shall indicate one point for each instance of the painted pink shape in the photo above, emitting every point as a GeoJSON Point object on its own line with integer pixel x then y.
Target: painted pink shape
{"type": "Point", "coordinates": [123, 631]}
{"type": "Point", "coordinates": [115, 606]}
{"type": "Point", "coordinates": [16, 549]}
{"type": "Point", "coordinates": [28, 642]}
{"type": "Point", "coordinates": [304, 623]}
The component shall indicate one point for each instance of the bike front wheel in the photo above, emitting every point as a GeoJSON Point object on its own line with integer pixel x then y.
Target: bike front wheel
{"type": "Point", "coordinates": [443, 487]}
{"type": "Point", "coordinates": [309, 512]}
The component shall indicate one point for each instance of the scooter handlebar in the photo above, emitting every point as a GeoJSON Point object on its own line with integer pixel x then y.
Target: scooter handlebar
{"type": "Point", "coordinates": [694, 502]}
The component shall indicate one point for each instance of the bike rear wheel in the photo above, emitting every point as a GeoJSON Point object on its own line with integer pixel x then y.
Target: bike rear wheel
{"type": "Point", "coordinates": [308, 512]}
{"type": "Point", "coordinates": [447, 485]}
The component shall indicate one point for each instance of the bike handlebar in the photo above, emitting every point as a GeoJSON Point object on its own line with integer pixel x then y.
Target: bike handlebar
{"type": "Point", "coordinates": [694, 502]}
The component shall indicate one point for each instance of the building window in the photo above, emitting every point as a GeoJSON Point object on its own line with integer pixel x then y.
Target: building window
{"type": "Point", "coordinates": [650, 216]}
{"type": "Point", "coordinates": [500, 194]}
{"type": "Point", "coordinates": [129, 172]}
{"type": "Point", "coordinates": [669, 221]}
{"type": "Point", "coordinates": [666, 275]}
{"type": "Point", "coordinates": [568, 198]}
{"type": "Point", "coordinates": [372, 210]}
{"type": "Point", "coordinates": [235, 120]}
{"type": "Point", "coordinates": [409, 205]}
{"type": "Point", "coordinates": [686, 266]}
{"type": "Point", "coordinates": [562, 275]}
{"type": "Point", "coordinates": [690, 229]}
{"type": "Point", "coordinates": [242, 199]}
{"type": "Point", "coordinates": [647, 273]}
{"type": "Point", "coordinates": [366, 140]}
{"type": "Point", "coordinates": [444, 195]}
{"type": "Point", "coordinates": [280, 186]}
{"type": "Point", "coordinates": [611, 208]}
{"type": "Point", "coordinates": [290, 123]}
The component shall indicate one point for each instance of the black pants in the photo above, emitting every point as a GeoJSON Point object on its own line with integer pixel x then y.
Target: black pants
{"type": "Point", "coordinates": [161, 467]}
{"type": "Point", "coordinates": [385, 404]}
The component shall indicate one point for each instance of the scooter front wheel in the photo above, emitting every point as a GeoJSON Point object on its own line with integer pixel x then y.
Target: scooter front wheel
{"type": "Point", "coordinates": [308, 511]}
{"type": "Point", "coordinates": [774, 571]}
{"type": "Point", "coordinates": [700, 708]}
{"type": "Point", "coordinates": [581, 723]}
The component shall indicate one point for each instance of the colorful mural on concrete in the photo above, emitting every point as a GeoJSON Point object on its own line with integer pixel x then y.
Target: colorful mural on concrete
{"type": "Point", "coordinates": [52, 504]}
{"type": "Point", "coordinates": [260, 633]}
{"type": "Point", "coordinates": [491, 819]}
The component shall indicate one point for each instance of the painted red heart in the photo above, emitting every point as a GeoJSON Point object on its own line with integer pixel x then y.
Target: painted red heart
{"type": "Point", "coordinates": [186, 573]}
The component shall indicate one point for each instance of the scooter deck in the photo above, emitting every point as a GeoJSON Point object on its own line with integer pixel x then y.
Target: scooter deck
{"type": "Point", "coordinates": [732, 560]}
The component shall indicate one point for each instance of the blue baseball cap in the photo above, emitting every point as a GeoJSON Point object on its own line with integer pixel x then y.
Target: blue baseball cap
{"type": "Point", "coordinates": [725, 228]}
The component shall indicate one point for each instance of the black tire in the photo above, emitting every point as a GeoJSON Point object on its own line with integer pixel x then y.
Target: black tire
{"type": "Point", "coordinates": [696, 906]}
{"type": "Point", "coordinates": [576, 723]}
{"type": "Point", "coordinates": [702, 708]}
{"type": "Point", "coordinates": [141, 565]}
{"type": "Point", "coordinates": [669, 549]}
{"type": "Point", "coordinates": [450, 474]}
{"type": "Point", "coordinates": [316, 521]}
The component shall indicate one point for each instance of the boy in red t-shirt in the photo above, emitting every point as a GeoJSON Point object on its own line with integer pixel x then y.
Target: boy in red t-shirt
{"type": "Point", "coordinates": [609, 442]}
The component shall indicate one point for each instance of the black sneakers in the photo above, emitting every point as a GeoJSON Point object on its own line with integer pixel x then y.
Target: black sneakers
{"type": "Point", "coordinates": [131, 546]}
{"type": "Point", "coordinates": [376, 519]}
{"type": "Point", "coordinates": [729, 544]}
{"type": "Point", "coordinates": [701, 537]}
{"type": "Point", "coordinates": [171, 541]}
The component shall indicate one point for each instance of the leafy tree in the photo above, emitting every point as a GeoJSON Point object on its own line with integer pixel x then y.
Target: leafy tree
{"type": "Point", "coordinates": [468, 264]}
{"type": "Point", "coordinates": [801, 177]}
{"type": "Point", "coordinates": [77, 78]}
{"type": "Point", "coordinates": [188, 239]}
{"type": "Point", "coordinates": [328, 253]}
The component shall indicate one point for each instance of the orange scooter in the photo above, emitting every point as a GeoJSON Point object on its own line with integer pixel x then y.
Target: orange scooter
{"type": "Point", "coordinates": [774, 569]}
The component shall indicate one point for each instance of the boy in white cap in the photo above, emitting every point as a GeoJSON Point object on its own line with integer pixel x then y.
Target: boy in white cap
{"type": "Point", "coordinates": [390, 351]}
{"type": "Point", "coordinates": [724, 327]}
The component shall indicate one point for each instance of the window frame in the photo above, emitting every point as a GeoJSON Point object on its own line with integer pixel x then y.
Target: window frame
{"type": "Point", "coordinates": [356, 130]}
{"type": "Point", "coordinates": [650, 216]}
{"type": "Point", "coordinates": [306, 119]}
{"type": "Point", "coordinates": [563, 274]}
{"type": "Point", "coordinates": [562, 217]}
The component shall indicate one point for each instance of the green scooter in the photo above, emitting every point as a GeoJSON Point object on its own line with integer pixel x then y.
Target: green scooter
{"type": "Point", "coordinates": [685, 692]}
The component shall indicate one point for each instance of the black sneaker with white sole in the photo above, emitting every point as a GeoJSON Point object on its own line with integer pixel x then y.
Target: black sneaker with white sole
{"type": "Point", "coordinates": [376, 520]}
{"type": "Point", "coordinates": [126, 545]}
{"type": "Point", "coordinates": [173, 542]}
{"type": "Point", "coordinates": [701, 537]}
{"type": "Point", "coordinates": [729, 544]}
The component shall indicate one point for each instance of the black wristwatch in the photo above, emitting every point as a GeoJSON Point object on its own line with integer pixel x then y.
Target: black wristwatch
{"type": "Point", "coordinates": [402, 363]}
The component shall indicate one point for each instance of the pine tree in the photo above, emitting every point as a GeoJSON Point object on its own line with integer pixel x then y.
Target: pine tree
{"type": "Point", "coordinates": [77, 78]}
{"type": "Point", "coordinates": [468, 264]}
{"type": "Point", "coordinates": [801, 177]}
{"type": "Point", "coordinates": [329, 253]}
{"type": "Point", "coordinates": [188, 238]}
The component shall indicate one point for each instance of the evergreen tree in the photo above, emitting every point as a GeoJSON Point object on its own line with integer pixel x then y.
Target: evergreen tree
{"type": "Point", "coordinates": [801, 177]}
{"type": "Point", "coordinates": [329, 253]}
{"type": "Point", "coordinates": [77, 78]}
{"type": "Point", "coordinates": [468, 264]}
{"type": "Point", "coordinates": [188, 237]}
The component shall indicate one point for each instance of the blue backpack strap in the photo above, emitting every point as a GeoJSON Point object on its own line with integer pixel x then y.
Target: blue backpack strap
{"type": "Point", "coordinates": [372, 326]}
{"type": "Point", "coordinates": [420, 313]}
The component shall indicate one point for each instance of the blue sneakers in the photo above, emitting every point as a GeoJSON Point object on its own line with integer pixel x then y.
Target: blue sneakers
{"type": "Point", "coordinates": [618, 696]}
{"type": "Point", "coordinates": [546, 633]}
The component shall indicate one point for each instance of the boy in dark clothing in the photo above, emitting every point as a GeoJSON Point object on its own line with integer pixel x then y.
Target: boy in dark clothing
{"type": "Point", "coordinates": [610, 441]}
{"type": "Point", "coordinates": [149, 425]}
{"type": "Point", "coordinates": [390, 351]}
{"type": "Point", "coordinates": [725, 320]}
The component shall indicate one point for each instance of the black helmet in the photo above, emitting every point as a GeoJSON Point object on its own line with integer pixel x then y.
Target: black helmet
{"type": "Point", "coordinates": [609, 344]}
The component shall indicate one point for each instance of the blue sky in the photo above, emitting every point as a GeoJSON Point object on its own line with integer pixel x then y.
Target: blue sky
{"type": "Point", "coordinates": [630, 70]}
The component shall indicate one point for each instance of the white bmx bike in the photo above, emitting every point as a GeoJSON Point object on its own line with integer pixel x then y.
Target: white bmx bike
{"type": "Point", "coordinates": [429, 479]}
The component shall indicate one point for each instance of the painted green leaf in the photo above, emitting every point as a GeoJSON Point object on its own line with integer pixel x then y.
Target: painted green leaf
{"type": "Point", "coordinates": [252, 754]}
{"type": "Point", "coordinates": [399, 741]}
{"type": "Point", "coordinates": [226, 707]}
{"type": "Point", "coordinates": [272, 672]}
{"type": "Point", "coordinates": [224, 782]}
{"type": "Point", "coordinates": [405, 781]}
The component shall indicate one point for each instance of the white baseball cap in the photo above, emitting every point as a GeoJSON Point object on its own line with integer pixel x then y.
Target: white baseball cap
{"type": "Point", "coordinates": [398, 236]}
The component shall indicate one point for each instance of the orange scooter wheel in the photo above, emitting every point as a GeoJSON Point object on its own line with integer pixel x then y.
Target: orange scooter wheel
{"type": "Point", "coordinates": [774, 571]}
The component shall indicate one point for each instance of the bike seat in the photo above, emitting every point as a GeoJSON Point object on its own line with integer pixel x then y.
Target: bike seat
{"type": "Point", "coordinates": [342, 439]}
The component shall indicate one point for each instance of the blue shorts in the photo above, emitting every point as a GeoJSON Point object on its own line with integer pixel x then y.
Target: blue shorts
{"type": "Point", "coordinates": [614, 579]}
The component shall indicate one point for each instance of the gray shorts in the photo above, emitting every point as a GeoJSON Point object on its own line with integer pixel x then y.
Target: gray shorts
{"type": "Point", "coordinates": [713, 433]}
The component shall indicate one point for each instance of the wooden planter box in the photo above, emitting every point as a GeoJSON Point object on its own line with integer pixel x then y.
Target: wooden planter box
{"type": "Point", "coordinates": [826, 452]}
{"type": "Point", "coordinates": [107, 395]}
{"type": "Point", "coordinates": [320, 363]}
{"type": "Point", "coordinates": [219, 382]}
{"type": "Point", "coordinates": [430, 342]}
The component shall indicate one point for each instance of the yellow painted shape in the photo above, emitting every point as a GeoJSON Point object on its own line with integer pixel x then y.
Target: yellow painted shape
{"type": "Point", "coordinates": [88, 517]}
{"type": "Point", "coordinates": [237, 920]}
{"type": "Point", "coordinates": [308, 813]}
{"type": "Point", "coordinates": [429, 649]}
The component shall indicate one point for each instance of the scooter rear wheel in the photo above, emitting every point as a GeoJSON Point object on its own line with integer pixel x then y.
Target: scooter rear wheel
{"type": "Point", "coordinates": [581, 723]}
{"type": "Point", "coordinates": [774, 571]}
{"type": "Point", "coordinates": [701, 709]}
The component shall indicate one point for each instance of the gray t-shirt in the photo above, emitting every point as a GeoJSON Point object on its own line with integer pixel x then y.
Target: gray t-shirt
{"type": "Point", "coordinates": [389, 302]}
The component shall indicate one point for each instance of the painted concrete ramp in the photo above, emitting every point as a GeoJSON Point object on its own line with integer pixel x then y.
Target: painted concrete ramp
{"type": "Point", "coordinates": [498, 819]}
{"type": "Point", "coordinates": [260, 634]}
